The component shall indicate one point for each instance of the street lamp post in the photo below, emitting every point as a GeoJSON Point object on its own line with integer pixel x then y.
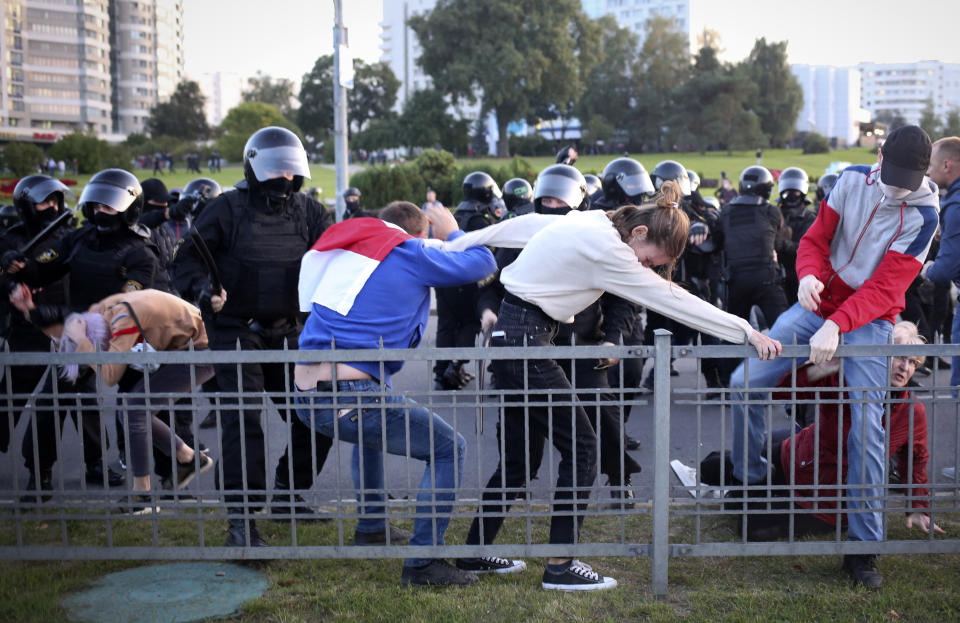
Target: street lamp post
{"type": "Point", "coordinates": [340, 80]}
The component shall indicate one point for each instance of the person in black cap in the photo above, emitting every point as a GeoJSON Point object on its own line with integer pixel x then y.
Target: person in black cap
{"type": "Point", "coordinates": [854, 263]}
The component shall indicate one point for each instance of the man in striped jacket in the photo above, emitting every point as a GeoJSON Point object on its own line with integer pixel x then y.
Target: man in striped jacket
{"type": "Point", "coordinates": [854, 264]}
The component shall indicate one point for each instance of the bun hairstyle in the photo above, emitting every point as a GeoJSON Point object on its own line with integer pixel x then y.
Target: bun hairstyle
{"type": "Point", "coordinates": [667, 225]}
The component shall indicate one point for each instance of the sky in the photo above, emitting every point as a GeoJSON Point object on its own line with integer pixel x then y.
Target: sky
{"type": "Point", "coordinates": [283, 38]}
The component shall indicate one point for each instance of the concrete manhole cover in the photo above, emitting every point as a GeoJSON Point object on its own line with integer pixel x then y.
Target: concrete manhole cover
{"type": "Point", "coordinates": [181, 592]}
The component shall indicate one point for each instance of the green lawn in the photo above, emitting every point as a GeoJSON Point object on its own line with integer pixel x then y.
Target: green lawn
{"type": "Point", "coordinates": [794, 588]}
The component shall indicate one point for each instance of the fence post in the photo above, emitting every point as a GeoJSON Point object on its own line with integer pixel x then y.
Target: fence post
{"type": "Point", "coordinates": [661, 460]}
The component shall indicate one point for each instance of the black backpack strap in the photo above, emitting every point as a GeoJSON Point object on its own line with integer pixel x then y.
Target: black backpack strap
{"type": "Point", "coordinates": [136, 321]}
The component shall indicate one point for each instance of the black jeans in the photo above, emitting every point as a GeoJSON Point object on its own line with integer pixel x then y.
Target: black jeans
{"type": "Point", "coordinates": [525, 429]}
{"type": "Point", "coordinates": [457, 322]}
{"type": "Point", "coordinates": [243, 435]}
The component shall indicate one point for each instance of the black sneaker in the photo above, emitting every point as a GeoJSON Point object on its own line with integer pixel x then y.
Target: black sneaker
{"type": "Point", "coordinates": [237, 534]}
{"type": "Point", "coordinates": [46, 484]}
{"type": "Point", "coordinates": [624, 499]}
{"type": "Point", "coordinates": [491, 564]}
{"type": "Point", "coordinates": [631, 443]}
{"type": "Point", "coordinates": [140, 505]}
{"type": "Point", "coordinates": [186, 472]}
{"type": "Point", "coordinates": [210, 421]}
{"type": "Point", "coordinates": [862, 568]}
{"type": "Point", "coordinates": [398, 536]}
{"type": "Point", "coordinates": [304, 513]}
{"type": "Point", "coordinates": [438, 573]}
{"type": "Point", "coordinates": [576, 576]}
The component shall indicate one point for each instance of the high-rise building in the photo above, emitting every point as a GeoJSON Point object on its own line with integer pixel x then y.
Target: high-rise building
{"type": "Point", "coordinates": [88, 65]}
{"type": "Point", "coordinates": [906, 88]}
{"type": "Point", "coordinates": [146, 54]}
{"type": "Point", "coordinates": [633, 14]}
{"type": "Point", "coordinates": [54, 69]}
{"type": "Point", "coordinates": [831, 103]}
{"type": "Point", "coordinates": [223, 91]}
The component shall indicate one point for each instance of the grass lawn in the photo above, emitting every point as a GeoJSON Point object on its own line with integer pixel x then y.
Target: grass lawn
{"type": "Point", "coordinates": [802, 589]}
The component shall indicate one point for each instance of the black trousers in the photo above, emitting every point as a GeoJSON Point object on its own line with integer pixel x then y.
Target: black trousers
{"type": "Point", "coordinates": [242, 440]}
{"type": "Point", "coordinates": [744, 290]}
{"type": "Point", "coordinates": [457, 322]}
{"type": "Point", "coordinates": [526, 429]}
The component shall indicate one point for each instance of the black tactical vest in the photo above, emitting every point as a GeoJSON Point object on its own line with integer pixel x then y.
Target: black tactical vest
{"type": "Point", "coordinates": [260, 267]}
{"type": "Point", "coordinates": [749, 235]}
{"type": "Point", "coordinates": [98, 266]}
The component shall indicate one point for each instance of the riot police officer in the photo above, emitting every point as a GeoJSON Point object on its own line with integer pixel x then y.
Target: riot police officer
{"type": "Point", "coordinates": [518, 197]}
{"type": "Point", "coordinates": [256, 235]}
{"type": "Point", "coordinates": [750, 227]}
{"type": "Point", "coordinates": [458, 321]}
{"type": "Point", "coordinates": [824, 186]}
{"type": "Point", "coordinates": [8, 217]}
{"type": "Point", "coordinates": [38, 201]}
{"type": "Point", "coordinates": [351, 200]}
{"type": "Point", "coordinates": [797, 219]}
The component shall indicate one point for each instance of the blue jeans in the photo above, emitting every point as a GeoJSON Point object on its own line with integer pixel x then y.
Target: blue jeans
{"type": "Point", "coordinates": [864, 451]}
{"type": "Point", "coordinates": [432, 440]}
{"type": "Point", "coordinates": [955, 364]}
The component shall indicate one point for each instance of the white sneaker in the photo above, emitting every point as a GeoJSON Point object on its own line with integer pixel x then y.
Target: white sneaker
{"type": "Point", "coordinates": [577, 577]}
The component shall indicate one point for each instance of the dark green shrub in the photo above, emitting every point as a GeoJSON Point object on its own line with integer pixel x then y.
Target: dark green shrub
{"type": "Point", "coordinates": [22, 158]}
{"type": "Point", "coordinates": [814, 143]}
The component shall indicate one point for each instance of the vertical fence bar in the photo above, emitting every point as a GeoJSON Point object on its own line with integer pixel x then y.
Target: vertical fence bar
{"type": "Point", "coordinates": [661, 460]}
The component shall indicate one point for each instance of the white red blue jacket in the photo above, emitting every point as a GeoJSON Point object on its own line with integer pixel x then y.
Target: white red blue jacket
{"type": "Point", "coordinates": [367, 282]}
{"type": "Point", "coordinates": [866, 248]}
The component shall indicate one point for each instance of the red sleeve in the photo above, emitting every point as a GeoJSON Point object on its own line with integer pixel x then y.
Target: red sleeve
{"type": "Point", "coordinates": [813, 254]}
{"type": "Point", "coordinates": [880, 295]}
{"type": "Point", "coordinates": [921, 455]}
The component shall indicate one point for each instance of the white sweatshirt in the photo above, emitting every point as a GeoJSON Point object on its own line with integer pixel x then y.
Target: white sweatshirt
{"type": "Point", "coordinates": [569, 261]}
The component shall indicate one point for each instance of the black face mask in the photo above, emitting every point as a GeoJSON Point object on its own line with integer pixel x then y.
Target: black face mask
{"type": "Point", "coordinates": [277, 190]}
{"type": "Point", "coordinates": [47, 216]}
{"type": "Point", "coordinates": [556, 211]}
{"type": "Point", "coordinates": [792, 201]}
{"type": "Point", "coordinates": [108, 223]}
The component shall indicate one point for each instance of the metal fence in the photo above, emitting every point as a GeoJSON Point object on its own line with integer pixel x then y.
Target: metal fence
{"type": "Point", "coordinates": [681, 420]}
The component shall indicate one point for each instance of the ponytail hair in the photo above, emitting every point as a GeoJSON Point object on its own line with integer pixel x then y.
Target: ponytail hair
{"type": "Point", "coordinates": [667, 224]}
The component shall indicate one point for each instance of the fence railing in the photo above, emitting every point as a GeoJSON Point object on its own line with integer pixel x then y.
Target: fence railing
{"type": "Point", "coordinates": [681, 421]}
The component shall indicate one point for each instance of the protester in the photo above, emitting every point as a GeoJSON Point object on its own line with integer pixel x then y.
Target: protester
{"type": "Point", "coordinates": [567, 262]}
{"type": "Point", "coordinates": [366, 284]}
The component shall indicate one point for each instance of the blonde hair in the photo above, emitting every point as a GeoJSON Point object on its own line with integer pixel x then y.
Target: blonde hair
{"type": "Point", "coordinates": [667, 225]}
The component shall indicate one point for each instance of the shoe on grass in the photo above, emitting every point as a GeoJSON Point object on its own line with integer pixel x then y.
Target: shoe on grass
{"type": "Point", "coordinates": [575, 576]}
{"type": "Point", "coordinates": [438, 572]}
{"type": "Point", "coordinates": [491, 564]}
{"type": "Point", "coordinates": [862, 569]}
{"type": "Point", "coordinates": [398, 536]}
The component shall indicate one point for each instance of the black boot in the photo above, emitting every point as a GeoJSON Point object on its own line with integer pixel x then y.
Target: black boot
{"type": "Point", "coordinates": [282, 510]}
{"type": "Point", "coordinates": [237, 534]}
{"type": "Point", "coordinates": [46, 484]}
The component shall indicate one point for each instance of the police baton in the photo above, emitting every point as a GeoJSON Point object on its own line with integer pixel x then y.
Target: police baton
{"type": "Point", "coordinates": [216, 287]}
{"type": "Point", "coordinates": [481, 373]}
{"type": "Point", "coordinates": [29, 248]}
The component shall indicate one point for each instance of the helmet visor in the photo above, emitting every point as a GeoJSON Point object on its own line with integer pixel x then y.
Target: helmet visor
{"type": "Point", "coordinates": [39, 192]}
{"type": "Point", "coordinates": [637, 184]}
{"type": "Point", "coordinates": [120, 199]}
{"type": "Point", "coordinates": [561, 187]}
{"type": "Point", "coordinates": [275, 162]}
{"type": "Point", "coordinates": [794, 183]}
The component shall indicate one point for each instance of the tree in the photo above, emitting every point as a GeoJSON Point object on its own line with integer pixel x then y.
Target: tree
{"type": "Point", "coordinates": [373, 96]}
{"type": "Point", "coordinates": [951, 125]}
{"type": "Point", "coordinates": [425, 122]}
{"type": "Point", "coordinates": [663, 64]}
{"type": "Point", "coordinates": [814, 143]}
{"type": "Point", "coordinates": [277, 92]}
{"type": "Point", "coordinates": [22, 158]}
{"type": "Point", "coordinates": [929, 121]}
{"type": "Point", "coordinates": [182, 116]}
{"type": "Point", "coordinates": [536, 55]}
{"type": "Point", "coordinates": [245, 119]}
{"type": "Point", "coordinates": [611, 86]}
{"type": "Point", "coordinates": [90, 152]}
{"type": "Point", "coordinates": [893, 119]}
{"type": "Point", "coordinates": [380, 134]}
{"type": "Point", "coordinates": [780, 96]}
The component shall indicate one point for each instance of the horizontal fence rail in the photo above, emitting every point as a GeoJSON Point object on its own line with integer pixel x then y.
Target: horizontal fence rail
{"type": "Point", "coordinates": [74, 436]}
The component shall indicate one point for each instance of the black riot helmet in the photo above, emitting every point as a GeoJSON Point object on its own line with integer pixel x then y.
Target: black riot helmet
{"type": "Point", "coordinates": [270, 155]}
{"type": "Point", "coordinates": [8, 217]}
{"type": "Point", "coordinates": [516, 192]}
{"type": "Point", "coordinates": [479, 186]}
{"type": "Point", "coordinates": [593, 183]}
{"type": "Point", "coordinates": [351, 200]}
{"type": "Point", "coordinates": [671, 170]}
{"type": "Point", "coordinates": [756, 180]}
{"type": "Point", "coordinates": [117, 189]}
{"type": "Point", "coordinates": [352, 191]}
{"type": "Point", "coordinates": [567, 155]}
{"type": "Point", "coordinates": [624, 181]}
{"type": "Point", "coordinates": [35, 189]}
{"type": "Point", "coordinates": [825, 185]}
{"type": "Point", "coordinates": [694, 179]}
{"type": "Point", "coordinates": [202, 190]}
{"type": "Point", "coordinates": [562, 182]}
{"type": "Point", "coordinates": [793, 178]}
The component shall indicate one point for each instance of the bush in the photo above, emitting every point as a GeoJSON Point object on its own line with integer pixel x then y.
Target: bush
{"type": "Point", "coordinates": [436, 168]}
{"type": "Point", "coordinates": [22, 158]}
{"type": "Point", "coordinates": [92, 153]}
{"type": "Point", "coordinates": [379, 185]}
{"type": "Point", "coordinates": [814, 143]}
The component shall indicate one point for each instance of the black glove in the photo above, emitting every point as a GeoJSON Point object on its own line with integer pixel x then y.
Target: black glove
{"type": "Point", "coordinates": [203, 301]}
{"type": "Point", "coordinates": [181, 209]}
{"type": "Point", "coordinates": [9, 257]}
